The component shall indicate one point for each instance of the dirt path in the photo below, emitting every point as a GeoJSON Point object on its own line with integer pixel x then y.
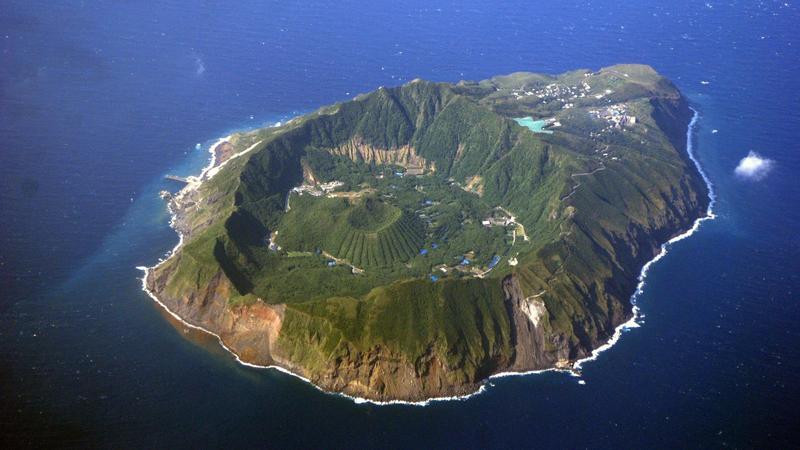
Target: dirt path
{"type": "Point", "coordinates": [578, 183]}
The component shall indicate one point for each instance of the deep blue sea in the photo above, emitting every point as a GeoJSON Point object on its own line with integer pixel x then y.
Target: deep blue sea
{"type": "Point", "coordinates": [100, 99]}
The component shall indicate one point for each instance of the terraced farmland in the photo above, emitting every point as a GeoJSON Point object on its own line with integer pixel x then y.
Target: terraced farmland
{"type": "Point", "coordinates": [366, 233]}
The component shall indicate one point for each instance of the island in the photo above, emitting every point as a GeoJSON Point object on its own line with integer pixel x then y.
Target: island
{"type": "Point", "coordinates": [414, 241]}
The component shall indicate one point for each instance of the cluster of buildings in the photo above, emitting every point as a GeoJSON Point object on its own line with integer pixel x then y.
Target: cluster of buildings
{"type": "Point", "coordinates": [464, 265]}
{"type": "Point", "coordinates": [411, 171]}
{"type": "Point", "coordinates": [415, 171]}
{"type": "Point", "coordinates": [496, 222]}
{"type": "Point", "coordinates": [616, 116]}
{"type": "Point", "coordinates": [552, 91]}
{"type": "Point", "coordinates": [499, 218]}
{"type": "Point", "coordinates": [426, 213]}
{"type": "Point", "coordinates": [556, 92]}
{"type": "Point", "coordinates": [554, 123]}
{"type": "Point", "coordinates": [317, 190]}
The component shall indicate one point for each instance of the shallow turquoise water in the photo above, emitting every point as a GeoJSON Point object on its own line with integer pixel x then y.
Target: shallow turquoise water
{"type": "Point", "coordinates": [537, 126]}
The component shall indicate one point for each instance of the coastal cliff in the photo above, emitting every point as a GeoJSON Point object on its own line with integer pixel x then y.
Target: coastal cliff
{"type": "Point", "coordinates": [597, 197]}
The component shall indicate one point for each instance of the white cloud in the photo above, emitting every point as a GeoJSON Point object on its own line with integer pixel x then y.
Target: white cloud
{"type": "Point", "coordinates": [754, 166]}
{"type": "Point", "coordinates": [199, 66]}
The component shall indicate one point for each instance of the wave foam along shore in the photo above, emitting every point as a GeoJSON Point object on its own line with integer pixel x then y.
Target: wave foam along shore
{"type": "Point", "coordinates": [632, 323]}
{"type": "Point", "coordinates": [357, 400]}
{"type": "Point", "coordinates": [577, 365]}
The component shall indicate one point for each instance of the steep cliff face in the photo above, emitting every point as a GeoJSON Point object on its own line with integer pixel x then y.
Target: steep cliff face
{"type": "Point", "coordinates": [252, 332]}
{"type": "Point", "coordinates": [382, 375]}
{"type": "Point", "coordinates": [405, 156]}
{"type": "Point", "coordinates": [249, 331]}
{"type": "Point", "coordinates": [535, 347]}
{"type": "Point", "coordinates": [596, 204]}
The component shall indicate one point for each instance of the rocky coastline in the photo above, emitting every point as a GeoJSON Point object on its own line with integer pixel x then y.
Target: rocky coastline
{"type": "Point", "coordinates": [251, 332]}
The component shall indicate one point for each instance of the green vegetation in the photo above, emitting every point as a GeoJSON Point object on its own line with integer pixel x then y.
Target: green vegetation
{"type": "Point", "coordinates": [409, 317]}
{"type": "Point", "coordinates": [402, 261]}
{"type": "Point", "coordinates": [367, 232]}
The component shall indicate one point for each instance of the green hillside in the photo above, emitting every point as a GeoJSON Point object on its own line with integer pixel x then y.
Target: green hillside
{"type": "Point", "coordinates": [367, 232]}
{"type": "Point", "coordinates": [446, 219]}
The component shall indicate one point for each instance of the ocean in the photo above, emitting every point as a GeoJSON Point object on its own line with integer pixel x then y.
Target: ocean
{"type": "Point", "coordinates": [99, 100]}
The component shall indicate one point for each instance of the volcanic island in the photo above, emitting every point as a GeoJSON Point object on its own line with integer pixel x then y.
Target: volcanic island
{"type": "Point", "coordinates": [414, 241]}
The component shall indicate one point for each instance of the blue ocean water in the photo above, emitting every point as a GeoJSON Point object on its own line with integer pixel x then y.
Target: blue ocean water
{"type": "Point", "coordinates": [98, 100]}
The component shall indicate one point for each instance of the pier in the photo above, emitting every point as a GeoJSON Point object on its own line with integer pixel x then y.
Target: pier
{"type": "Point", "coordinates": [177, 178]}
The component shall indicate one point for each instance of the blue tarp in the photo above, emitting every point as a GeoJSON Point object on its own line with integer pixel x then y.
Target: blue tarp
{"type": "Point", "coordinates": [434, 278]}
{"type": "Point", "coordinates": [423, 251]}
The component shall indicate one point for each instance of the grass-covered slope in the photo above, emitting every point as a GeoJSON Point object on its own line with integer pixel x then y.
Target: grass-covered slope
{"type": "Point", "coordinates": [367, 232]}
{"type": "Point", "coordinates": [459, 242]}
